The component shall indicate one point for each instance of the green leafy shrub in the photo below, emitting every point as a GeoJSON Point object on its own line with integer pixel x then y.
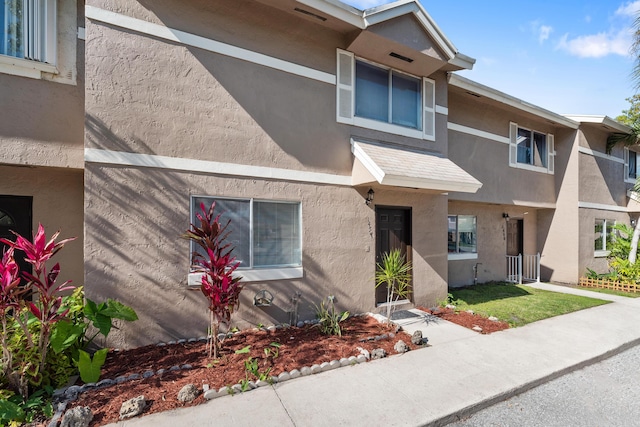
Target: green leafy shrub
{"type": "Point", "coordinates": [330, 319]}
{"type": "Point", "coordinates": [42, 339]}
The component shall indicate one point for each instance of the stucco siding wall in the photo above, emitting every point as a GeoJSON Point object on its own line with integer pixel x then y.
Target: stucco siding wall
{"type": "Point", "coordinates": [134, 252]}
{"type": "Point", "coordinates": [41, 121]}
{"type": "Point", "coordinates": [57, 204]}
{"type": "Point", "coordinates": [491, 241]}
{"type": "Point", "coordinates": [587, 238]}
{"type": "Point", "coordinates": [601, 179]}
{"type": "Point", "coordinates": [500, 183]}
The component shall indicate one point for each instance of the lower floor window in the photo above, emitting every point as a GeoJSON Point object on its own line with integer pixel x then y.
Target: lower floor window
{"type": "Point", "coordinates": [264, 233]}
{"type": "Point", "coordinates": [604, 234]}
{"type": "Point", "coordinates": [462, 234]}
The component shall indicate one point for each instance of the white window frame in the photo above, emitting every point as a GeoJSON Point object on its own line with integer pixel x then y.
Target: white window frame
{"type": "Point", "coordinates": [251, 273]}
{"type": "Point", "coordinates": [345, 100]}
{"type": "Point", "coordinates": [39, 56]}
{"type": "Point", "coordinates": [513, 150]}
{"type": "Point", "coordinates": [457, 256]}
{"type": "Point", "coordinates": [600, 253]}
{"type": "Point", "coordinates": [627, 179]}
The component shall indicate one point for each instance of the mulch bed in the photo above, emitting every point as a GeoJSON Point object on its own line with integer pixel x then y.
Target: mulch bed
{"type": "Point", "coordinates": [468, 320]}
{"type": "Point", "coordinates": [299, 347]}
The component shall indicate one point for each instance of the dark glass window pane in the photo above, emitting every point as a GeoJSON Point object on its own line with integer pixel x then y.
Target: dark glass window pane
{"type": "Point", "coordinates": [238, 211]}
{"type": "Point", "coordinates": [372, 92]}
{"type": "Point", "coordinates": [406, 101]}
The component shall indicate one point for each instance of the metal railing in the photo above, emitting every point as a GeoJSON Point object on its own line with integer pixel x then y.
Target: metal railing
{"type": "Point", "coordinates": [523, 267]}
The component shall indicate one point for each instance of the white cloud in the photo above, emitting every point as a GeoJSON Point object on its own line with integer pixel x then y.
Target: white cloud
{"type": "Point", "coordinates": [540, 31]}
{"type": "Point", "coordinates": [597, 45]}
{"type": "Point", "coordinates": [544, 32]}
{"type": "Point", "coordinates": [629, 9]}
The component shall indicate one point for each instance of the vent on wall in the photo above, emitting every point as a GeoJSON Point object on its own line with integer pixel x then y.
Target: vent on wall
{"type": "Point", "coordinates": [401, 57]}
{"type": "Point", "coordinates": [306, 12]}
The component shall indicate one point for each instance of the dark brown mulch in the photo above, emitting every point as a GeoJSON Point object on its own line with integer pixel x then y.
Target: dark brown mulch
{"type": "Point", "coordinates": [468, 320]}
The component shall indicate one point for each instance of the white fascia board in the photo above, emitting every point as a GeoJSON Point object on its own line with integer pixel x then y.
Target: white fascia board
{"type": "Point", "coordinates": [496, 95]}
{"type": "Point", "coordinates": [463, 61]}
{"type": "Point", "coordinates": [585, 150]}
{"type": "Point", "coordinates": [338, 10]}
{"type": "Point", "coordinates": [602, 120]}
{"type": "Point", "coordinates": [430, 184]}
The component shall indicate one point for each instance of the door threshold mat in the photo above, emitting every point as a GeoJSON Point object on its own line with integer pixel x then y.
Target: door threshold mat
{"type": "Point", "coordinates": [403, 314]}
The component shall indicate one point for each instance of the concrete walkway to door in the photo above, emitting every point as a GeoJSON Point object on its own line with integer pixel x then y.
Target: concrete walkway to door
{"type": "Point", "coordinates": [431, 386]}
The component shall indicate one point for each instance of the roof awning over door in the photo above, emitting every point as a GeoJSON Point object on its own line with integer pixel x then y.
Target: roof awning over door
{"type": "Point", "coordinates": [406, 167]}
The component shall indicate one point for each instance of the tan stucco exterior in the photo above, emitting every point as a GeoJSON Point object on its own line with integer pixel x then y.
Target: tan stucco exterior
{"type": "Point", "coordinates": [169, 110]}
{"type": "Point", "coordinates": [41, 135]}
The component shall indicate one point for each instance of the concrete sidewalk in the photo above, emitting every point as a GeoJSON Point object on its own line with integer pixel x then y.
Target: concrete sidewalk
{"type": "Point", "coordinates": [431, 386]}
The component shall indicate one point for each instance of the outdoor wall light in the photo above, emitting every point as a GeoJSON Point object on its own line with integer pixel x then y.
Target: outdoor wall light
{"type": "Point", "coordinates": [369, 198]}
{"type": "Point", "coordinates": [505, 216]}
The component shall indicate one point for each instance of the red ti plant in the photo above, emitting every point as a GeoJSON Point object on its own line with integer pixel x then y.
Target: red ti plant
{"type": "Point", "coordinates": [48, 300]}
{"type": "Point", "coordinates": [10, 297]}
{"type": "Point", "coordinates": [219, 286]}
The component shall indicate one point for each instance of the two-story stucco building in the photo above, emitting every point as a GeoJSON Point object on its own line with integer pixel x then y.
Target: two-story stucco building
{"type": "Point", "coordinates": [328, 135]}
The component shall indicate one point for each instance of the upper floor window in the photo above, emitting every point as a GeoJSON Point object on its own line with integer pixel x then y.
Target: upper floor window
{"type": "Point", "coordinates": [630, 165]}
{"type": "Point", "coordinates": [28, 29]}
{"type": "Point", "coordinates": [529, 149]}
{"type": "Point", "coordinates": [377, 97]}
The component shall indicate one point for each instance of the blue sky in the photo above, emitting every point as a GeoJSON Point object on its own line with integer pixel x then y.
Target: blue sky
{"type": "Point", "coordinates": [568, 56]}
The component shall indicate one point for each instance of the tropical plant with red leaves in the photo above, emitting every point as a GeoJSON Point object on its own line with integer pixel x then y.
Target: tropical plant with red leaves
{"type": "Point", "coordinates": [47, 305]}
{"type": "Point", "coordinates": [219, 285]}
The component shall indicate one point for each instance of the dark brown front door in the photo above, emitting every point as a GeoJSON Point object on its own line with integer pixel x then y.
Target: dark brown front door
{"type": "Point", "coordinates": [393, 230]}
{"type": "Point", "coordinates": [15, 215]}
{"type": "Point", "coordinates": [514, 237]}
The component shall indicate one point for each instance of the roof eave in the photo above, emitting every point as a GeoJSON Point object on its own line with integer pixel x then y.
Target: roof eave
{"type": "Point", "coordinates": [496, 95]}
{"type": "Point", "coordinates": [602, 120]}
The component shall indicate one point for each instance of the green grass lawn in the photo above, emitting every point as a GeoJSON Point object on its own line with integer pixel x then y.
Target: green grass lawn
{"type": "Point", "coordinates": [518, 304]}
{"type": "Point", "coordinates": [612, 292]}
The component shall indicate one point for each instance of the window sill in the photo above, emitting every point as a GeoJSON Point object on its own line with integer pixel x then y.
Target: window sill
{"type": "Point", "coordinates": [532, 168]}
{"type": "Point", "coordinates": [25, 68]}
{"type": "Point", "coordinates": [254, 275]}
{"type": "Point", "coordinates": [390, 128]}
{"type": "Point", "coordinates": [601, 254]}
{"type": "Point", "coordinates": [630, 180]}
{"type": "Point", "coordinates": [462, 256]}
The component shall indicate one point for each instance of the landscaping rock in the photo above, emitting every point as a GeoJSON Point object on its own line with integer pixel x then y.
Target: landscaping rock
{"type": "Point", "coordinates": [401, 347]}
{"type": "Point", "coordinates": [450, 306]}
{"type": "Point", "coordinates": [364, 352]}
{"type": "Point", "coordinates": [378, 353]}
{"type": "Point", "coordinates": [295, 373]}
{"type": "Point", "coordinates": [284, 376]}
{"type": "Point", "coordinates": [261, 383]}
{"type": "Point", "coordinates": [315, 369]}
{"type": "Point", "coordinates": [300, 324]}
{"type": "Point", "coordinates": [361, 358]}
{"type": "Point", "coordinates": [470, 311]}
{"type": "Point", "coordinates": [105, 383]}
{"type": "Point", "coordinates": [477, 328]}
{"type": "Point", "coordinates": [345, 362]}
{"type": "Point", "coordinates": [132, 407]}
{"type": "Point", "coordinates": [148, 374]}
{"type": "Point", "coordinates": [210, 394]}
{"type": "Point", "coordinates": [79, 416]}
{"type": "Point", "coordinates": [416, 338]}
{"type": "Point", "coordinates": [493, 318]}
{"type": "Point", "coordinates": [188, 393]}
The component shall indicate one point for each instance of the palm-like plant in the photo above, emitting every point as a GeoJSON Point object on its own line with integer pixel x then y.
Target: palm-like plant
{"type": "Point", "coordinates": [394, 272]}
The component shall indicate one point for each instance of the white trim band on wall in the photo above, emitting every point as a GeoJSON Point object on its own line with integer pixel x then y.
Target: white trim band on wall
{"type": "Point", "coordinates": [477, 132]}
{"type": "Point", "coordinates": [590, 152]}
{"type": "Point", "coordinates": [93, 155]}
{"type": "Point", "coordinates": [188, 39]}
{"type": "Point", "coordinates": [603, 207]}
